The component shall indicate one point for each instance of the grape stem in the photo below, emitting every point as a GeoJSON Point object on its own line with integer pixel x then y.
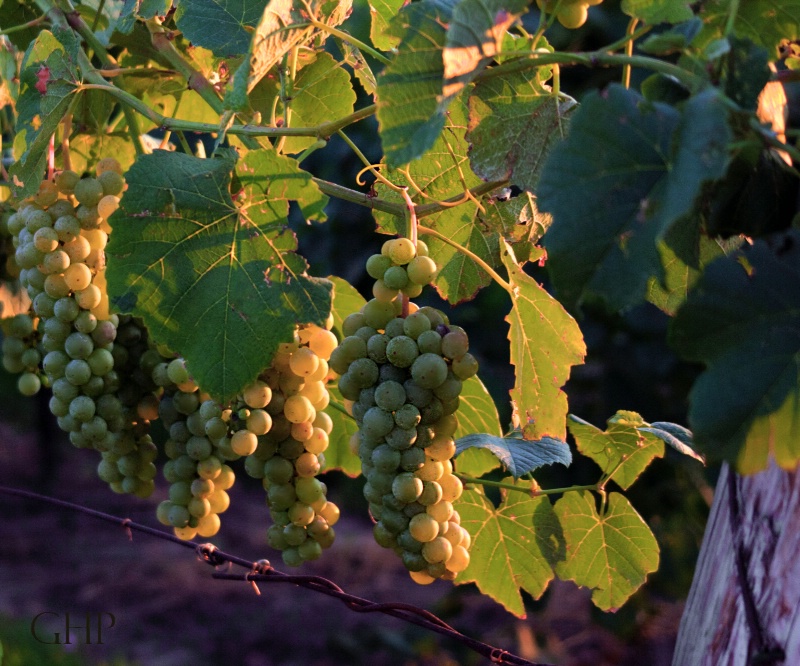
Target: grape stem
{"type": "Point", "coordinates": [529, 490]}
{"type": "Point", "coordinates": [486, 267]}
{"type": "Point", "coordinates": [24, 26]}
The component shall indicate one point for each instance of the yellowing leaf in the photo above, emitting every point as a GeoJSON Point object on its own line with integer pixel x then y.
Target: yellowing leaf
{"type": "Point", "coordinates": [610, 553]}
{"type": "Point", "coordinates": [545, 343]}
{"type": "Point", "coordinates": [513, 547]}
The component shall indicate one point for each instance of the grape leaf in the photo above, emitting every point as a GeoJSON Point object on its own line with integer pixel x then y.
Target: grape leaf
{"type": "Point", "coordinates": [382, 11]}
{"type": "Point", "coordinates": [658, 11]}
{"type": "Point", "coordinates": [519, 456]}
{"type": "Point", "coordinates": [345, 301]}
{"type": "Point", "coordinates": [322, 91]}
{"type": "Point", "coordinates": [474, 36]}
{"type": "Point", "coordinates": [439, 175]}
{"type": "Point", "coordinates": [338, 455]}
{"type": "Point", "coordinates": [674, 40]}
{"type": "Point", "coordinates": [86, 150]}
{"type": "Point", "coordinates": [409, 116]}
{"type": "Point", "coordinates": [18, 14]}
{"type": "Point", "coordinates": [684, 253]}
{"type": "Point", "coordinates": [766, 22]}
{"type": "Point", "coordinates": [518, 221]}
{"type": "Point", "coordinates": [219, 283]}
{"type": "Point", "coordinates": [53, 55]}
{"type": "Point", "coordinates": [513, 123]}
{"type": "Point", "coordinates": [514, 546]}
{"type": "Point", "coordinates": [146, 9]}
{"type": "Point", "coordinates": [219, 25]}
{"type": "Point", "coordinates": [623, 440]}
{"type": "Point", "coordinates": [639, 167]}
{"type": "Point", "coordinates": [280, 27]}
{"type": "Point", "coordinates": [362, 70]}
{"type": "Point", "coordinates": [476, 413]}
{"type": "Point", "coordinates": [545, 343]}
{"type": "Point", "coordinates": [742, 320]}
{"type": "Point", "coordinates": [676, 436]}
{"type": "Point", "coordinates": [610, 553]}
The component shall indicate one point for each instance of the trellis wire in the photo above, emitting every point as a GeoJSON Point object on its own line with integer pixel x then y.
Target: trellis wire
{"type": "Point", "coordinates": [263, 572]}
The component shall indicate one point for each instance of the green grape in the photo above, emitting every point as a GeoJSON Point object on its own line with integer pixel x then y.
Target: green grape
{"type": "Point", "coordinates": [402, 351]}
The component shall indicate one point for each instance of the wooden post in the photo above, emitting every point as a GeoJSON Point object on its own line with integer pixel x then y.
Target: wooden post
{"type": "Point", "coordinates": [744, 605]}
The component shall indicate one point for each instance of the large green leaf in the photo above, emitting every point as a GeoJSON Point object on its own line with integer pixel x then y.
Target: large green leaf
{"type": "Point", "coordinates": [766, 22]}
{"type": "Point", "coordinates": [439, 175]}
{"type": "Point", "coordinates": [217, 282]}
{"type": "Point", "coordinates": [219, 25]}
{"type": "Point", "coordinates": [514, 546]}
{"type": "Point", "coordinates": [742, 320]}
{"type": "Point", "coordinates": [477, 413]}
{"type": "Point", "coordinates": [624, 448]}
{"type": "Point", "coordinates": [338, 455]}
{"type": "Point", "coordinates": [345, 301]}
{"type": "Point", "coordinates": [409, 115]}
{"type": "Point", "coordinates": [611, 553]}
{"type": "Point", "coordinates": [545, 343]}
{"type": "Point", "coordinates": [519, 456]}
{"type": "Point", "coordinates": [43, 102]}
{"type": "Point", "coordinates": [382, 12]}
{"type": "Point", "coordinates": [627, 172]}
{"type": "Point", "coordinates": [513, 123]}
{"type": "Point", "coordinates": [322, 91]}
{"type": "Point", "coordinates": [658, 11]}
{"type": "Point", "coordinates": [474, 36]}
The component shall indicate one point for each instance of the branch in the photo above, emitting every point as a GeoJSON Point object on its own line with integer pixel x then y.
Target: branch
{"type": "Point", "coordinates": [262, 571]}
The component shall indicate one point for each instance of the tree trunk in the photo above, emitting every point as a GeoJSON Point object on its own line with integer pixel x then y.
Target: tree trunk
{"type": "Point", "coordinates": [744, 605]}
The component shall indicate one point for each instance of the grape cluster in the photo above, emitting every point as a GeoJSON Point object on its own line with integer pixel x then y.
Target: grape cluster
{"type": "Point", "coordinates": [289, 456]}
{"type": "Point", "coordinates": [59, 236]}
{"type": "Point", "coordinates": [21, 353]}
{"type": "Point", "coordinates": [198, 449]}
{"type": "Point", "coordinates": [571, 13]}
{"type": "Point", "coordinates": [404, 375]}
{"type": "Point", "coordinates": [276, 424]}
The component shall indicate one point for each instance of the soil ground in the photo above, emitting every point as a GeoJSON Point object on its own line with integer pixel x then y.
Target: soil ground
{"type": "Point", "coordinates": [170, 612]}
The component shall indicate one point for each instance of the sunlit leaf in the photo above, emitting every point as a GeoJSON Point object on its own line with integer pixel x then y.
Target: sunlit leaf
{"type": "Point", "coordinates": [545, 343]}
{"type": "Point", "coordinates": [477, 413]}
{"type": "Point", "coordinates": [514, 546]}
{"type": "Point", "coordinates": [184, 257]}
{"type": "Point", "coordinates": [611, 553]}
{"type": "Point", "coordinates": [513, 123]}
{"type": "Point", "coordinates": [624, 450]}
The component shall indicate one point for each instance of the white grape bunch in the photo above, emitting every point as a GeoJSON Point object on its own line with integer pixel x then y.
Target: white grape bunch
{"type": "Point", "coordinates": [292, 395]}
{"type": "Point", "coordinates": [403, 372]}
{"type": "Point", "coordinates": [60, 235]}
{"type": "Point", "coordinates": [198, 449]}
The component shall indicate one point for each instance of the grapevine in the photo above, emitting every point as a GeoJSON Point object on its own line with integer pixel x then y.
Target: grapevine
{"type": "Point", "coordinates": [161, 183]}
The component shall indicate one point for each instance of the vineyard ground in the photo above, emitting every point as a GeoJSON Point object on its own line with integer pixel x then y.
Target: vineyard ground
{"type": "Point", "coordinates": [168, 613]}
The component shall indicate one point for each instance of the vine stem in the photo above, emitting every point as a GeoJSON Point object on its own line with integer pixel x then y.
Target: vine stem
{"type": "Point", "coordinates": [412, 235]}
{"type": "Point", "coordinates": [24, 26]}
{"type": "Point", "coordinates": [345, 37]}
{"type": "Point", "coordinates": [340, 408]}
{"type": "Point", "coordinates": [530, 59]}
{"type": "Point", "coordinates": [486, 267]}
{"type": "Point", "coordinates": [528, 491]}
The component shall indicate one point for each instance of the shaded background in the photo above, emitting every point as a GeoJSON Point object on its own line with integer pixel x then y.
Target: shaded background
{"type": "Point", "coordinates": [169, 612]}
